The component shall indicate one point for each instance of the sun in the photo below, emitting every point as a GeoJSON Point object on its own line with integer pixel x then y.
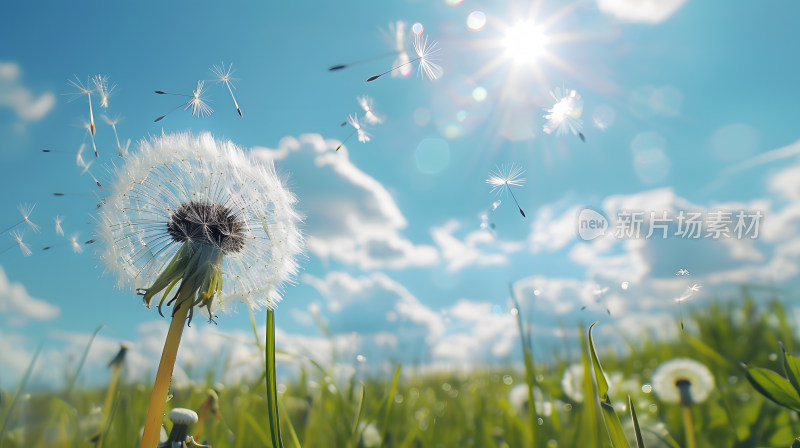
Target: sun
{"type": "Point", "coordinates": [525, 42]}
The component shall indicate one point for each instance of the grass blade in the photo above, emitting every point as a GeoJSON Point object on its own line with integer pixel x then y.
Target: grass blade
{"type": "Point", "coordinates": [20, 388]}
{"type": "Point", "coordinates": [610, 417]}
{"type": "Point", "coordinates": [272, 388]}
{"type": "Point", "coordinates": [355, 433]}
{"type": "Point", "coordinates": [389, 400]}
{"type": "Point", "coordinates": [636, 429]}
{"type": "Point", "coordinates": [71, 383]}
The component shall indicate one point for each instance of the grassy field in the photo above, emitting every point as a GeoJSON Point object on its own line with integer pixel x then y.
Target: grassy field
{"type": "Point", "coordinates": [483, 408]}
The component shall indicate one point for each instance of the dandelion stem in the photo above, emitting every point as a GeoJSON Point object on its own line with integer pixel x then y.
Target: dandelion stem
{"type": "Point", "coordinates": [272, 390]}
{"type": "Point", "coordinates": [688, 425]}
{"type": "Point", "coordinates": [515, 201]}
{"type": "Point", "coordinates": [158, 398]}
{"type": "Point", "coordinates": [373, 78]}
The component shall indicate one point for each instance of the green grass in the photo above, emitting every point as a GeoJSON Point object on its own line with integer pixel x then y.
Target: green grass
{"type": "Point", "coordinates": [468, 409]}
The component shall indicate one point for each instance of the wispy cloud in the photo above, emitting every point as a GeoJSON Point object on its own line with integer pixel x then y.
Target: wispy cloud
{"type": "Point", "coordinates": [647, 11]}
{"type": "Point", "coordinates": [19, 98]}
{"type": "Point", "coordinates": [15, 301]}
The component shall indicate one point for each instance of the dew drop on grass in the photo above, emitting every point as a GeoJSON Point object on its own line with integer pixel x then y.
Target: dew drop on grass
{"type": "Point", "coordinates": [647, 388]}
{"type": "Point", "coordinates": [773, 356]}
{"type": "Point", "coordinates": [540, 421]}
{"type": "Point", "coordinates": [508, 379]}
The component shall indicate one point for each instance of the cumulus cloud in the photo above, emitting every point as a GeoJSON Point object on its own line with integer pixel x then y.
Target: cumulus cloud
{"type": "Point", "coordinates": [15, 301]}
{"type": "Point", "coordinates": [15, 96]}
{"type": "Point", "coordinates": [351, 217]}
{"type": "Point", "coordinates": [479, 247]}
{"type": "Point", "coordinates": [375, 303]}
{"type": "Point", "coordinates": [646, 11]}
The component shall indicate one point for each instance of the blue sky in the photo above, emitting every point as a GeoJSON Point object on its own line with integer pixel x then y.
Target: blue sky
{"type": "Point", "coordinates": [703, 100]}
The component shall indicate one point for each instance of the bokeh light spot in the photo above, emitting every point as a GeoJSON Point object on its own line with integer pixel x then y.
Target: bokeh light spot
{"type": "Point", "coordinates": [476, 20]}
{"type": "Point", "coordinates": [479, 94]}
{"type": "Point", "coordinates": [422, 116]}
{"type": "Point", "coordinates": [417, 28]}
{"type": "Point", "coordinates": [461, 116]}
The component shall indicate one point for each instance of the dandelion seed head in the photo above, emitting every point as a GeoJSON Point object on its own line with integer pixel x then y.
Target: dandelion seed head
{"type": "Point", "coordinates": [565, 115]}
{"type": "Point", "coordinates": [671, 375]}
{"type": "Point", "coordinates": [183, 198]}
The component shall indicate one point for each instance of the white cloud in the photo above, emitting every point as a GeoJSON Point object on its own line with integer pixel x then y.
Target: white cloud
{"type": "Point", "coordinates": [351, 217]}
{"type": "Point", "coordinates": [15, 300]}
{"type": "Point", "coordinates": [375, 303]}
{"type": "Point", "coordinates": [474, 250]}
{"type": "Point", "coordinates": [553, 233]}
{"type": "Point", "coordinates": [476, 331]}
{"type": "Point", "coordinates": [20, 99]}
{"type": "Point", "coordinates": [647, 11]}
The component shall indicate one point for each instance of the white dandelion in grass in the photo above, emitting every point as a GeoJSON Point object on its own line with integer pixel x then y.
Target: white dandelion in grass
{"type": "Point", "coordinates": [363, 136]}
{"type": "Point", "coordinates": [426, 55]}
{"type": "Point", "coordinates": [683, 381]}
{"type": "Point", "coordinates": [505, 177]}
{"type": "Point", "coordinates": [370, 116]}
{"type": "Point", "coordinates": [223, 75]}
{"type": "Point", "coordinates": [196, 102]}
{"type": "Point", "coordinates": [203, 213]}
{"type": "Point", "coordinates": [572, 382]}
{"type": "Point", "coordinates": [193, 221]}
{"type": "Point", "coordinates": [565, 115]}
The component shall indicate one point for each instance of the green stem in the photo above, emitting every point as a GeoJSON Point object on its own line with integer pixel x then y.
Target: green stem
{"type": "Point", "coordinates": [688, 426]}
{"type": "Point", "coordinates": [272, 390]}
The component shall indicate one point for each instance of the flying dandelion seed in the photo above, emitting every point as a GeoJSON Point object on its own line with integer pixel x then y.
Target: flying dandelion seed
{"type": "Point", "coordinates": [565, 115]}
{"type": "Point", "coordinates": [113, 124]}
{"type": "Point", "coordinates": [88, 127]}
{"type": "Point", "coordinates": [503, 178]}
{"type": "Point", "coordinates": [83, 90]}
{"type": "Point", "coordinates": [76, 246]}
{"type": "Point", "coordinates": [682, 272]}
{"type": "Point", "coordinates": [103, 89]}
{"type": "Point", "coordinates": [23, 247]}
{"type": "Point", "coordinates": [690, 290]}
{"type": "Point", "coordinates": [224, 76]}
{"type": "Point", "coordinates": [363, 136]}
{"type": "Point", "coordinates": [25, 210]}
{"type": "Point", "coordinates": [199, 106]}
{"type": "Point", "coordinates": [86, 170]}
{"type": "Point", "coordinates": [397, 33]}
{"type": "Point", "coordinates": [370, 116]}
{"type": "Point", "coordinates": [59, 229]}
{"type": "Point", "coordinates": [426, 57]}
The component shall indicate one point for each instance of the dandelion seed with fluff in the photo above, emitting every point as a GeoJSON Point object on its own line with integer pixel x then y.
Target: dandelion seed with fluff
{"type": "Point", "coordinates": [503, 178]}
{"type": "Point", "coordinates": [121, 151]}
{"type": "Point", "coordinates": [370, 116]}
{"type": "Point", "coordinates": [426, 55]}
{"type": "Point", "coordinates": [193, 221]}
{"type": "Point", "coordinates": [59, 229]}
{"type": "Point", "coordinates": [565, 115]}
{"type": "Point", "coordinates": [363, 136]}
{"type": "Point", "coordinates": [223, 75]}
{"type": "Point", "coordinates": [84, 90]}
{"type": "Point", "coordinates": [26, 210]}
{"type": "Point", "coordinates": [23, 247]}
{"type": "Point", "coordinates": [196, 102]}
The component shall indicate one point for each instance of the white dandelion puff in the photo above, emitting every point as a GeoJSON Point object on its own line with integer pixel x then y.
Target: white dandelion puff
{"type": "Point", "coordinates": [59, 229]}
{"type": "Point", "coordinates": [223, 75]}
{"type": "Point", "coordinates": [565, 115]}
{"type": "Point", "coordinates": [370, 116]}
{"type": "Point", "coordinates": [200, 212]}
{"type": "Point", "coordinates": [682, 380]}
{"type": "Point", "coordinates": [426, 55]}
{"type": "Point", "coordinates": [505, 177]}
{"type": "Point", "coordinates": [572, 382]}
